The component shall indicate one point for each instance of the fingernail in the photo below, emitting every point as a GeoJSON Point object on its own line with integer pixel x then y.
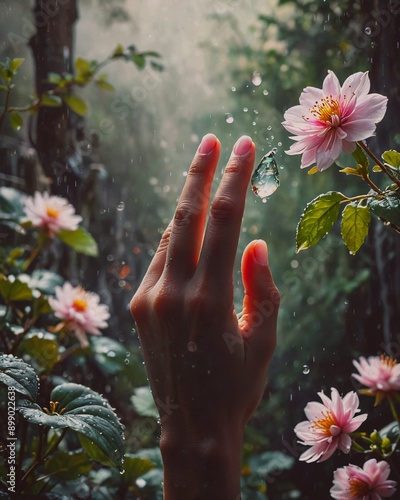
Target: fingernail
{"type": "Point", "coordinates": [261, 252]}
{"type": "Point", "coordinates": [242, 146]}
{"type": "Point", "coordinates": [207, 144]}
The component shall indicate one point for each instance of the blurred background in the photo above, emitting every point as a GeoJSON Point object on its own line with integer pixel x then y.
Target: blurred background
{"type": "Point", "coordinates": [230, 68]}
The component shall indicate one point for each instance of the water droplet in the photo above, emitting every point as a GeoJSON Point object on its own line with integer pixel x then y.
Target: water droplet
{"type": "Point", "coordinates": [265, 179]}
{"type": "Point", "coordinates": [245, 109]}
{"type": "Point", "coordinates": [256, 79]}
{"type": "Point", "coordinates": [233, 89]}
{"type": "Point", "coordinates": [306, 369]}
{"type": "Point", "coordinates": [368, 30]}
{"type": "Point", "coordinates": [265, 92]}
{"type": "Point", "coordinates": [229, 118]}
{"type": "Point", "coordinates": [192, 346]}
{"type": "Point", "coordinates": [120, 206]}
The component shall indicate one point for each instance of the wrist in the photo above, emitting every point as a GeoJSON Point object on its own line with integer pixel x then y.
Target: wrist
{"type": "Point", "coordinates": [198, 467]}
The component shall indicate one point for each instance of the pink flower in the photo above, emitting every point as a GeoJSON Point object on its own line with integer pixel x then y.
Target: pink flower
{"type": "Point", "coordinates": [80, 311]}
{"type": "Point", "coordinates": [51, 213]}
{"type": "Point", "coordinates": [333, 118]}
{"type": "Point", "coordinates": [329, 425]}
{"type": "Point", "coordinates": [379, 374]}
{"type": "Point", "coordinates": [369, 483]}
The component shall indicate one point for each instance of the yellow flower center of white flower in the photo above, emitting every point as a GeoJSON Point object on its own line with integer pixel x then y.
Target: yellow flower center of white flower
{"type": "Point", "coordinates": [52, 212]}
{"type": "Point", "coordinates": [358, 488]}
{"type": "Point", "coordinates": [79, 305]}
{"type": "Point", "coordinates": [324, 424]}
{"type": "Point", "coordinates": [326, 109]}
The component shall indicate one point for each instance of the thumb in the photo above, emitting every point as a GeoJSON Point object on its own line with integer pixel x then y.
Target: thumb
{"type": "Point", "coordinates": [261, 299]}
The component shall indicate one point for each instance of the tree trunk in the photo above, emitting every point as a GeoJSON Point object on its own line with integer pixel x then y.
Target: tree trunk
{"type": "Point", "coordinates": [55, 129]}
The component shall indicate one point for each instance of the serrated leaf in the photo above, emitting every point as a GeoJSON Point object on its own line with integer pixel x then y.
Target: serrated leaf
{"type": "Point", "coordinates": [317, 219]}
{"type": "Point", "coordinates": [51, 101]}
{"type": "Point", "coordinates": [17, 374]}
{"type": "Point", "coordinates": [14, 291]}
{"type": "Point", "coordinates": [87, 413]}
{"type": "Point", "coordinates": [75, 103]}
{"type": "Point", "coordinates": [392, 158]}
{"type": "Point", "coordinates": [388, 208]}
{"type": "Point", "coordinates": [16, 120]}
{"type": "Point", "coordinates": [42, 347]}
{"type": "Point", "coordinates": [80, 240]}
{"type": "Point", "coordinates": [143, 402]}
{"type": "Point", "coordinates": [68, 465]}
{"type": "Point", "coordinates": [355, 226]}
{"type": "Point", "coordinates": [361, 157]}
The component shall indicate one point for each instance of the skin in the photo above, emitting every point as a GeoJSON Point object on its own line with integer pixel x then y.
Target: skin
{"type": "Point", "coordinates": [207, 368]}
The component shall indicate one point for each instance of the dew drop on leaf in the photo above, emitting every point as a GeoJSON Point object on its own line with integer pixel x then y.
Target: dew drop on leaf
{"type": "Point", "coordinates": [265, 179]}
{"type": "Point", "coordinates": [306, 369]}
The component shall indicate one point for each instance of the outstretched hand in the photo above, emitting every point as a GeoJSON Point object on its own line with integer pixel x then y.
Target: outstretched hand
{"type": "Point", "coordinates": [206, 365]}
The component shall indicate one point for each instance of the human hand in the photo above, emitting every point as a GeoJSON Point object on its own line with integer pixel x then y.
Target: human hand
{"type": "Point", "coordinates": [206, 368]}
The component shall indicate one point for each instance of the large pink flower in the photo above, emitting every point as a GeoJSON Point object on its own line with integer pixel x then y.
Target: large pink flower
{"type": "Point", "coordinates": [80, 311]}
{"type": "Point", "coordinates": [379, 374]}
{"type": "Point", "coordinates": [332, 119]}
{"type": "Point", "coordinates": [329, 425]}
{"type": "Point", "coordinates": [369, 483]}
{"type": "Point", "coordinates": [51, 213]}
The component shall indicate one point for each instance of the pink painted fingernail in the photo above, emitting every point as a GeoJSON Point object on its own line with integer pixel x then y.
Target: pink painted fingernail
{"type": "Point", "coordinates": [207, 144]}
{"type": "Point", "coordinates": [242, 146]}
{"type": "Point", "coordinates": [261, 252]}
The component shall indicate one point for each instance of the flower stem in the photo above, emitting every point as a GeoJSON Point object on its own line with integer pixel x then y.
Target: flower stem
{"type": "Point", "coordinates": [379, 163]}
{"type": "Point", "coordinates": [5, 110]}
{"type": "Point", "coordinates": [393, 408]}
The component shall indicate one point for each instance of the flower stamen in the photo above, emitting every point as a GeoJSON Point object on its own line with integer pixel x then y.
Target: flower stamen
{"type": "Point", "coordinates": [358, 488]}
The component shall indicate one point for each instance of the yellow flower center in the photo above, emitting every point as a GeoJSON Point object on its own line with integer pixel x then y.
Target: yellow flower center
{"type": "Point", "coordinates": [52, 212]}
{"type": "Point", "coordinates": [79, 305]}
{"type": "Point", "coordinates": [358, 488]}
{"type": "Point", "coordinates": [326, 109]}
{"type": "Point", "coordinates": [388, 361]}
{"type": "Point", "coordinates": [324, 424]}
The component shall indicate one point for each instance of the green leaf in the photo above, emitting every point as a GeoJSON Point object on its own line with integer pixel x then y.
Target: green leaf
{"type": "Point", "coordinates": [388, 208]}
{"type": "Point", "coordinates": [118, 51]}
{"type": "Point", "coordinates": [83, 68]}
{"type": "Point", "coordinates": [270, 461]}
{"type": "Point", "coordinates": [17, 374]}
{"type": "Point", "coordinates": [139, 60]}
{"type": "Point", "coordinates": [16, 120]}
{"type": "Point", "coordinates": [392, 158]}
{"type": "Point", "coordinates": [75, 103]}
{"type": "Point", "coordinates": [376, 168]}
{"type": "Point", "coordinates": [42, 347]}
{"type": "Point", "coordinates": [156, 66]}
{"type": "Point", "coordinates": [14, 290]}
{"type": "Point", "coordinates": [355, 226]}
{"type": "Point", "coordinates": [15, 64]}
{"type": "Point", "coordinates": [317, 219]}
{"type": "Point", "coordinates": [143, 402]}
{"type": "Point", "coordinates": [51, 101]}
{"type": "Point", "coordinates": [135, 467]}
{"type": "Point", "coordinates": [80, 240]}
{"type": "Point", "coordinates": [54, 78]}
{"type": "Point", "coordinates": [45, 281]}
{"type": "Point", "coordinates": [108, 354]}
{"type": "Point", "coordinates": [87, 413]}
{"type": "Point", "coordinates": [11, 201]}
{"type": "Point", "coordinates": [360, 157]}
{"type": "Point", "coordinates": [150, 53]}
{"type": "Point", "coordinates": [104, 85]}
{"type": "Point", "coordinates": [68, 465]}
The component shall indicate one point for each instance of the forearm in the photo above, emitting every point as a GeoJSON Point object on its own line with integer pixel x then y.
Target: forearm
{"type": "Point", "coordinates": [208, 469]}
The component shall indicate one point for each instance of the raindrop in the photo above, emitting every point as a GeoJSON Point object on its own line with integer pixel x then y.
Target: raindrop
{"type": "Point", "coordinates": [120, 206]}
{"type": "Point", "coordinates": [192, 346]}
{"type": "Point", "coordinates": [265, 92]}
{"type": "Point", "coordinates": [233, 89]}
{"type": "Point", "coordinates": [245, 109]}
{"type": "Point", "coordinates": [269, 127]}
{"type": "Point", "coordinates": [368, 30]}
{"type": "Point", "coordinates": [229, 118]}
{"type": "Point", "coordinates": [306, 369]}
{"type": "Point", "coordinates": [256, 78]}
{"type": "Point", "coordinates": [265, 179]}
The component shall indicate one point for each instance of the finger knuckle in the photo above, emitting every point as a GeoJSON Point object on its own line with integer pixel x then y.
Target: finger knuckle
{"type": "Point", "coordinates": [223, 209]}
{"type": "Point", "coordinates": [166, 303]}
{"type": "Point", "coordinates": [234, 166]}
